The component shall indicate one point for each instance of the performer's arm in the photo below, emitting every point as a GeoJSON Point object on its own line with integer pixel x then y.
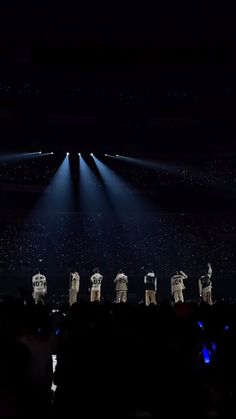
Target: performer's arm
{"type": "Point", "coordinates": [200, 287]}
{"type": "Point", "coordinates": [172, 287]}
{"type": "Point", "coordinates": [183, 275]}
{"type": "Point", "coordinates": [155, 284]}
{"type": "Point", "coordinates": [209, 273]}
{"type": "Point", "coordinates": [77, 284]}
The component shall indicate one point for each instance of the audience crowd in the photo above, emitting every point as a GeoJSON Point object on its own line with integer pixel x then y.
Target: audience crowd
{"type": "Point", "coordinates": [117, 360]}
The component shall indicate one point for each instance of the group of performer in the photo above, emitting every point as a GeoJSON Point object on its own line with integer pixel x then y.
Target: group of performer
{"type": "Point", "coordinates": [121, 286]}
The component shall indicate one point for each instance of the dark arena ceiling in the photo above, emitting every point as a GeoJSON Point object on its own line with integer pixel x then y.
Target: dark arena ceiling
{"type": "Point", "coordinates": [104, 112]}
{"type": "Point", "coordinates": [117, 78]}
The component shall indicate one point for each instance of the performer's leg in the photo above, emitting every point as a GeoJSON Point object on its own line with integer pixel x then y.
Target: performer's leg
{"type": "Point", "coordinates": [98, 295]}
{"type": "Point", "coordinates": [209, 298]}
{"type": "Point", "coordinates": [176, 296]}
{"type": "Point", "coordinates": [146, 298]}
{"type": "Point", "coordinates": [181, 296]}
{"type": "Point", "coordinates": [123, 296]}
{"type": "Point", "coordinates": [39, 298]}
{"type": "Point", "coordinates": [118, 297]}
{"type": "Point", "coordinates": [149, 297]}
{"type": "Point", "coordinates": [94, 295]}
{"type": "Point", "coordinates": [74, 297]}
{"type": "Point", "coordinates": [153, 297]}
{"type": "Point", "coordinates": [71, 298]}
{"type": "Point", "coordinates": [204, 296]}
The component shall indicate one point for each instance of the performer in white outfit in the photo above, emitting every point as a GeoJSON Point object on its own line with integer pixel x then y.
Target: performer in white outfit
{"type": "Point", "coordinates": [150, 283]}
{"type": "Point", "coordinates": [177, 286]}
{"type": "Point", "coordinates": [74, 287]}
{"type": "Point", "coordinates": [96, 280]}
{"type": "Point", "coordinates": [205, 286]}
{"type": "Point", "coordinates": [121, 282]}
{"type": "Point", "coordinates": [40, 287]}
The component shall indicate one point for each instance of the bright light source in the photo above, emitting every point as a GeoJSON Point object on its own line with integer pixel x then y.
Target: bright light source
{"type": "Point", "coordinates": [91, 154]}
{"type": "Point", "coordinates": [79, 154]}
{"type": "Point", "coordinates": [67, 153]}
{"type": "Point", "coordinates": [40, 152]}
{"type": "Point", "coordinates": [106, 155]}
{"type": "Point", "coordinates": [51, 152]}
{"type": "Point", "coordinates": [117, 155]}
{"type": "Point", "coordinates": [206, 355]}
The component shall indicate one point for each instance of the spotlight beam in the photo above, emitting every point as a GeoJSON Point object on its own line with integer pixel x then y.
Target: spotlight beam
{"type": "Point", "coordinates": [21, 156]}
{"type": "Point", "coordinates": [123, 196]}
{"type": "Point", "coordinates": [176, 170]}
{"type": "Point", "coordinates": [59, 194]}
{"type": "Point", "coordinates": [92, 197]}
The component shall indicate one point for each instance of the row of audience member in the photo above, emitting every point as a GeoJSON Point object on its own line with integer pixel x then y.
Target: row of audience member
{"type": "Point", "coordinates": [118, 360]}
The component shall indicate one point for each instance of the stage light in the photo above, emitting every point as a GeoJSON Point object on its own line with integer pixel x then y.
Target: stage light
{"type": "Point", "coordinates": [113, 156]}
{"type": "Point", "coordinates": [67, 153]}
{"type": "Point", "coordinates": [206, 355]}
{"type": "Point", "coordinates": [213, 345]}
{"type": "Point", "coordinates": [40, 152]}
{"type": "Point", "coordinates": [79, 154]}
{"type": "Point", "coordinates": [51, 152]}
{"type": "Point", "coordinates": [91, 154]}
